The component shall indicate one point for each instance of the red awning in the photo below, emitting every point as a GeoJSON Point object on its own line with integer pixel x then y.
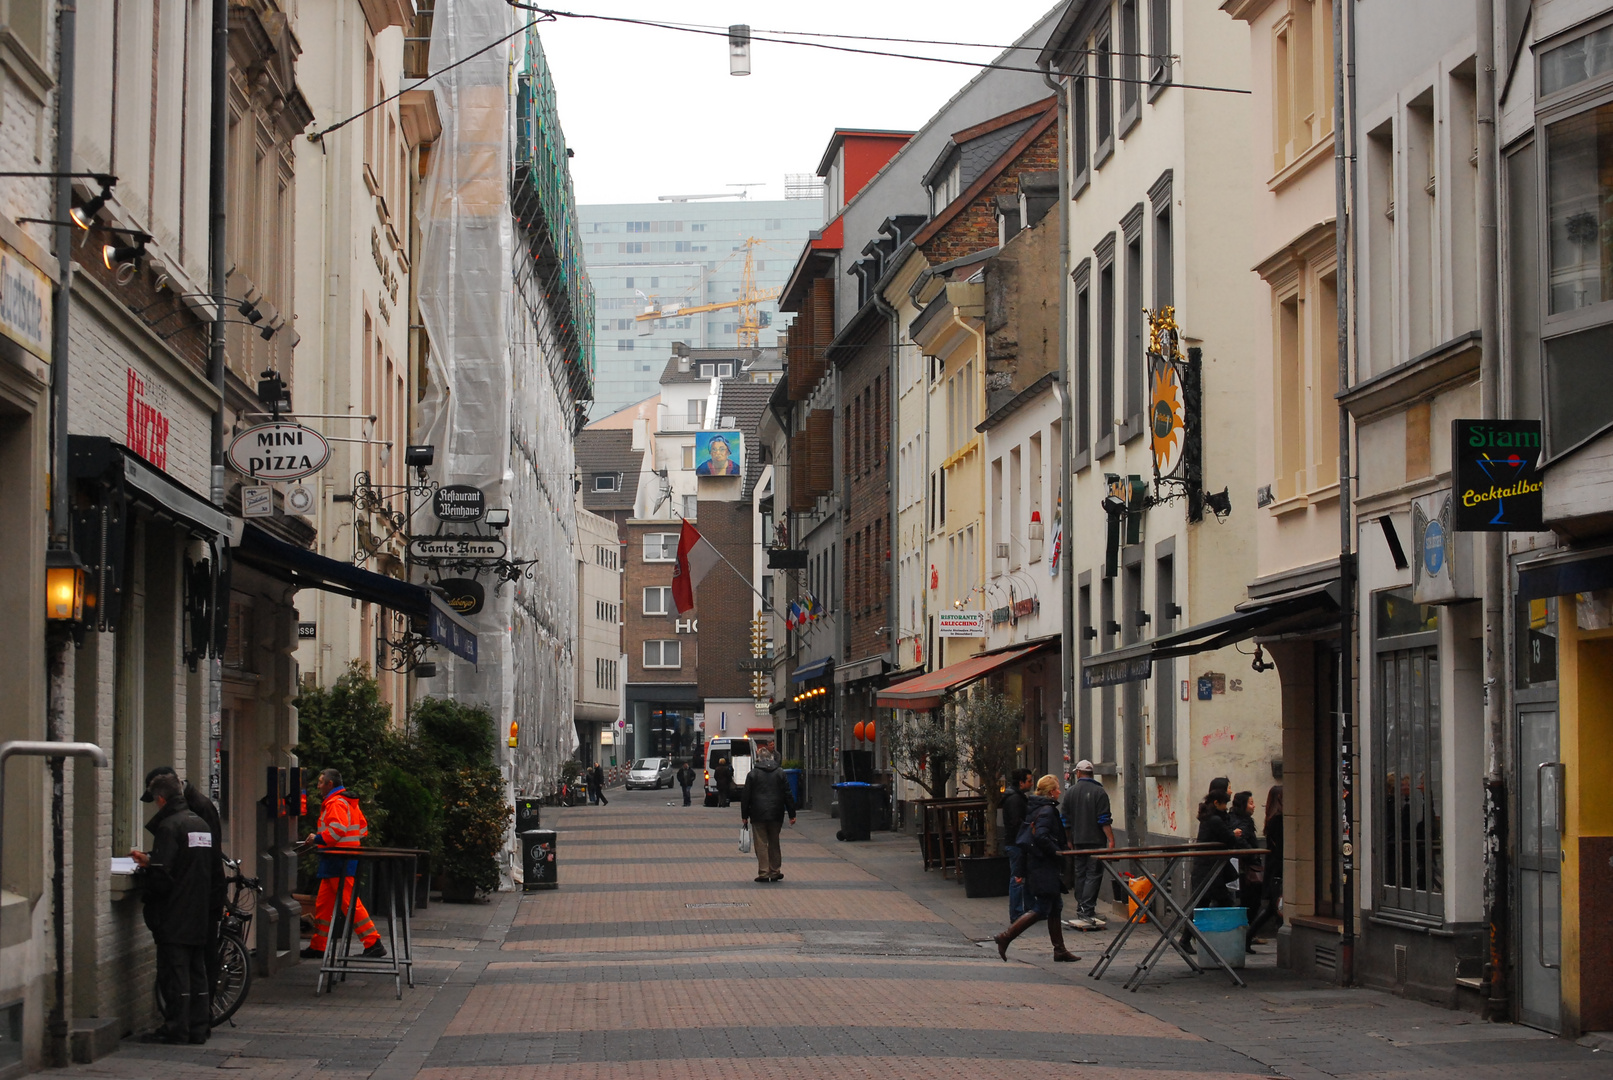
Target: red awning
{"type": "Point", "coordinates": [926, 691]}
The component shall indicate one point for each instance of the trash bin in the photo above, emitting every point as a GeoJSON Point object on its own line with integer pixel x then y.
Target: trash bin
{"type": "Point", "coordinates": [793, 776]}
{"type": "Point", "coordinates": [537, 860]}
{"type": "Point", "coordinates": [527, 813]}
{"type": "Point", "coordinates": [856, 810]}
{"type": "Point", "coordinates": [1226, 930]}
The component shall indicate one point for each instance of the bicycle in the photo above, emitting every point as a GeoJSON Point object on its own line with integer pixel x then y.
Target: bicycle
{"type": "Point", "coordinates": [234, 954]}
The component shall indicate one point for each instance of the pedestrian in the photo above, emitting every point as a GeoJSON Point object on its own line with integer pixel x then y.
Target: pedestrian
{"type": "Point", "coordinates": [589, 786]}
{"type": "Point", "coordinates": [1015, 806]}
{"type": "Point", "coordinates": [764, 801]}
{"type": "Point", "coordinates": [1086, 813]}
{"type": "Point", "coordinates": [1043, 837]}
{"type": "Point", "coordinates": [597, 775]}
{"type": "Point", "coordinates": [177, 880]}
{"type": "Point", "coordinates": [686, 780]}
{"type": "Point", "coordinates": [1215, 828]}
{"type": "Point", "coordinates": [1271, 890]}
{"type": "Point", "coordinates": [341, 825]}
{"type": "Point", "coordinates": [1251, 871]}
{"type": "Point", "coordinates": [723, 777]}
{"type": "Point", "coordinates": [203, 807]}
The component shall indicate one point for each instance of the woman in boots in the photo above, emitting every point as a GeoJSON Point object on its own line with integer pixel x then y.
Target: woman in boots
{"type": "Point", "coordinates": [1043, 838]}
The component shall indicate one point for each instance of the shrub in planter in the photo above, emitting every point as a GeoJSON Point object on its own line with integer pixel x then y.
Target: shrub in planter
{"type": "Point", "coordinates": [989, 727]}
{"type": "Point", "coordinates": [475, 818]}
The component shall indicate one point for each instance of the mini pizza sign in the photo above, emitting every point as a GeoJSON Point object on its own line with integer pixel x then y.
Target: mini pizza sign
{"type": "Point", "coordinates": [278, 451]}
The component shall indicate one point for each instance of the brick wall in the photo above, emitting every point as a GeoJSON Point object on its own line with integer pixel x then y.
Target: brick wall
{"type": "Point", "coordinates": [865, 568]}
{"type": "Point", "coordinates": [975, 226]}
{"type": "Point", "coordinates": [638, 575]}
{"type": "Point", "coordinates": [723, 602]}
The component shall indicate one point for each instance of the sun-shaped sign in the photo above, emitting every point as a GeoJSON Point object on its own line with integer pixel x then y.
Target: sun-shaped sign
{"type": "Point", "coordinates": [1167, 417]}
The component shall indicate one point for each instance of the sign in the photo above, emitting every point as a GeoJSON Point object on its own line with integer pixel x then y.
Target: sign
{"type": "Point", "coordinates": [718, 453]}
{"type": "Point", "coordinates": [1025, 608]}
{"type": "Point", "coordinates": [1206, 688]}
{"type": "Point", "coordinates": [755, 663]}
{"type": "Point", "coordinates": [307, 630]}
{"type": "Point", "coordinates": [24, 303]}
{"type": "Point", "coordinates": [456, 547]}
{"type": "Point", "coordinates": [1001, 616]}
{"type": "Point", "coordinates": [1441, 563]}
{"type": "Point", "coordinates": [1167, 416]}
{"type": "Point", "coordinates": [145, 424]}
{"type": "Point", "coordinates": [961, 624]}
{"type": "Point", "coordinates": [607, 738]}
{"type": "Point", "coordinates": [449, 634]}
{"type": "Point", "coordinates": [257, 501]}
{"type": "Point", "coordinates": [1495, 471]}
{"type": "Point", "coordinates": [464, 595]}
{"type": "Point", "coordinates": [459, 503]}
{"type": "Point", "coordinates": [300, 500]}
{"type": "Point", "coordinates": [278, 451]}
{"type": "Point", "coordinates": [1114, 672]}
{"type": "Point", "coordinates": [621, 725]}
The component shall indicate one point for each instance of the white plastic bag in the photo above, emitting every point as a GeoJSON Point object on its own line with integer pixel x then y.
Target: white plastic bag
{"type": "Point", "coordinates": [744, 839]}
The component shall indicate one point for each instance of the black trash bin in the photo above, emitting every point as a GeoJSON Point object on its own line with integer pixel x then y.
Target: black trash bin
{"type": "Point", "coordinates": [527, 813]}
{"type": "Point", "coordinates": [856, 810]}
{"type": "Point", "coordinates": [538, 865]}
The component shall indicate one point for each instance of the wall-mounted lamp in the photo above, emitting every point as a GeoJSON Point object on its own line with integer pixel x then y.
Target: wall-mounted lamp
{"type": "Point", "coordinates": [419, 457]}
{"type": "Point", "coordinates": [1143, 618]}
{"type": "Point", "coordinates": [1112, 627]}
{"type": "Point", "coordinates": [84, 216]}
{"type": "Point", "coordinates": [1088, 633]}
{"type": "Point", "coordinates": [125, 258]}
{"type": "Point", "coordinates": [65, 580]}
{"type": "Point", "coordinates": [498, 519]}
{"type": "Point", "coordinates": [426, 669]}
{"type": "Point", "coordinates": [1173, 611]}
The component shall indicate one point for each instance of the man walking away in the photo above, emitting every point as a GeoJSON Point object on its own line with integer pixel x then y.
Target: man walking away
{"type": "Point", "coordinates": [723, 777]}
{"type": "Point", "coordinates": [1014, 810]}
{"type": "Point", "coordinates": [685, 781]}
{"type": "Point", "coordinates": [764, 801]}
{"type": "Point", "coordinates": [203, 807]}
{"type": "Point", "coordinates": [177, 877]}
{"type": "Point", "coordinates": [341, 825]}
{"type": "Point", "coordinates": [1085, 810]}
{"type": "Point", "coordinates": [597, 774]}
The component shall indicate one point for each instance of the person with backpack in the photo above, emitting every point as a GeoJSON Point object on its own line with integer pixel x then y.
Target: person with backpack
{"type": "Point", "coordinates": [1043, 837]}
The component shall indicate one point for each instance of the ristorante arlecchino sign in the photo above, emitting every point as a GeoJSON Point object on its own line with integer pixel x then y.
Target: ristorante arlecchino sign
{"type": "Point", "coordinates": [1495, 473]}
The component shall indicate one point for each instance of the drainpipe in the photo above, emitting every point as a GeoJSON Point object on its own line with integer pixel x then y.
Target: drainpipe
{"type": "Point", "coordinates": [217, 158]}
{"type": "Point", "coordinates": [893, 619]}
{"type": "Point", "coordinates": [1343, 177]}
{"type": "Point", "coordinates": [1495, 685]}
{"type": "Point", "coordinates": [1066, 426]}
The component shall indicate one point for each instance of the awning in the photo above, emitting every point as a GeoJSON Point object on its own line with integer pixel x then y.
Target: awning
{"type": "Point", "coordinates": [816, 669]}
{"type": "Point", "coordinates": [306, 569]}
{"type": "Point", "coordinates": [926, 691]}
{"type": "Point", "coordinates": [95, 456]}
{"type": "Point", "coordinates": [862, 669]}
{"type": "Point", "coordinates": [1564, 572]}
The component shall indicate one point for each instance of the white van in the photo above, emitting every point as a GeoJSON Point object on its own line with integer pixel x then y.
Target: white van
{"type": "Point", "coordinates": [738, 752]}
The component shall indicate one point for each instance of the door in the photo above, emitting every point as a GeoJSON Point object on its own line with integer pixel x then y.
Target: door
{"type": "Point", "coordinates": [1539, 869]}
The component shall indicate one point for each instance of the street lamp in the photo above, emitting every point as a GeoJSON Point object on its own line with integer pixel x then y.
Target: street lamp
{"type": "Point", "coordinates": [65, 579]}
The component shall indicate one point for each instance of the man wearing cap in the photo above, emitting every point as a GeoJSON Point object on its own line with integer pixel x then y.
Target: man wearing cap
{"type": "Point", "coordinates": [1085, 809]}
{"type": "Point", "coordinates": [203, 807]}
{"type": "Point", "coordinates": [341, 825]}
{"type": "Point", "coordinates": [176, 877]}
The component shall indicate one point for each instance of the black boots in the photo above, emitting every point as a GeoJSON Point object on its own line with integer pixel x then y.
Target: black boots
{"type": "Point", "coordinates": [1021, 924]}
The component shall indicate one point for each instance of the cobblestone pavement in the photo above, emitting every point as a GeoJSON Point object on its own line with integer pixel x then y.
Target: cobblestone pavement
{"type": "Point", "coordinates": [659, 957]}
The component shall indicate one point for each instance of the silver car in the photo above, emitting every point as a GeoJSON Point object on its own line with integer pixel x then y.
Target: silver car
{"type": "Point", "coordinates": [651, 772]}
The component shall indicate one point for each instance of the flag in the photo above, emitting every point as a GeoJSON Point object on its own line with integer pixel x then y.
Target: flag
{"type": "Point", "coordinates": [696, 557]}
{"type": "Point", "coordinates": [789, 615]}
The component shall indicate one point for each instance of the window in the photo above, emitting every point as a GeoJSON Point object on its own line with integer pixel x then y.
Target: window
{"type": "Point", "coordinates": [688, 457]}
{"type": "Point", "coordinates": [767, 592]}
{"type": "Point", "coordinates": [708, 370]}
{"type": "Point", "coordinates": [1104, 357]}
{"type": "Point", "coordinates": [699, 226]}
{"type": "Point", "coordinates": [605, 674]}
{"type": "Point", "coordinates": [691, 507]}
{"type": "Point", "coordinates": [1302, 73]}
{"type": "Point", "coordinates": [658, 600]}
{"type": "Point", "coordinates": [1080, 131]}
{"type": "Point", "coordinates": [1083, 619]}
{"type": "Point", "coordinates": [605, 611]}
{"type": "Point", "coordinates": [1081, 407]}
{"type": "Point", "coordinates": [1159, 198]}
{"type": "Point", "coordinates": [1103, 70]}
{"type": "Point", "coordinates": [607, 482]}
{"type": "Point", "coordinates": [1133, 360]}
{"type": "Point", "coordinates": [697, 411]}
{"type": "Point", "coordinates": [660, 547]}
{"type": "Point", "coordinates": [1130, 65]}
{"type": "Point", "coordinates": [624, 345]}
{"type": "Point", "coordinates": [1159, 46]}
{"type": "Point", "coordinates": [667, 653]}
{"type": "Point", "coordinates": [1580, 60]}
{"type": "Point", "coordinates": [774, 223]}
{"type": "Point", "coordinates": [1164, 678]}
{"type": "Point", "coordinates": [1406, 752]}
{"type": "Point", "coordinates": [725, 370]}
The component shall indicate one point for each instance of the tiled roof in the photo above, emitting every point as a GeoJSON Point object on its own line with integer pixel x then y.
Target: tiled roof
{"type": "Point", "coordinates": [608, 450]}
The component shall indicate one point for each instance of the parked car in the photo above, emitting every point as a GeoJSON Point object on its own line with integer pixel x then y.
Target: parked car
{"type": "Point", "coordinates": [651, 772]}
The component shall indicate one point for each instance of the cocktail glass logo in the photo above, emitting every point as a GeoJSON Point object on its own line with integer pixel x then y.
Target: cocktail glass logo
{"type": "Point", "coordinates": [1505, 470]}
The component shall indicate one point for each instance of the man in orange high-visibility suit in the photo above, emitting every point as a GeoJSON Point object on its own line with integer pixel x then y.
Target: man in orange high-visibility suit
{"type": "Point", "coordinates": [341, 824]}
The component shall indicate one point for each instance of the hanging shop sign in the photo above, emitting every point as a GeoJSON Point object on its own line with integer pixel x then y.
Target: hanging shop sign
{"type": "Point", "coordinates": [456, 547]}
{"type": "Point", "coordinates": [465, 595]}
{"type": "Point", "coordinates": [1496, 469]}
{"type": "Point", "coordinates": [1114, 672]}
{"type": "Point", "coordinates": [961, 624]}
{"type": "Point", "coordinates": [1024, 609]}
{"type": "Point", "coordinates": [278, 451]}
{"type": "Point", "coordinates": [24, 303]}
{"type": "Point", "coordinates": [459, 503]}
{"type": "Point", "coordinates": [1167, 416]}
{"type": "Point", "coordinates": [1442, 563]}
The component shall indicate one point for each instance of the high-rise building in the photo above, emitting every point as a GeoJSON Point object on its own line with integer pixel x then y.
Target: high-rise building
{"type": "Point", "coordinates": [682, 254]}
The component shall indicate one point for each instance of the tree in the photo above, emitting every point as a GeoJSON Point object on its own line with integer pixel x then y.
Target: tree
{"type": "Point", "coordinates": [989, 727]}
{"type": "Point", "coordinates": [925, 751]}
{"type": "Point", "coordinates": [347, 727]}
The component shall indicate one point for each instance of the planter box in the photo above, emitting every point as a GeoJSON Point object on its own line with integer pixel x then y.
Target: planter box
{"type": "Point", "coordinates": [985, 875]}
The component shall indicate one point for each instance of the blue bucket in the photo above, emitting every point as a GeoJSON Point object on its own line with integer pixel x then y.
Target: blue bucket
{"type": "Point", "coordinates": [1213, 919]}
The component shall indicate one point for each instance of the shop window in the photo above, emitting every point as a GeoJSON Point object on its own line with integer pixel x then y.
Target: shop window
{"type": "Point", "coordinates": [1407, 786]}
{"type": "Point", "coordinates": [1536, 641]}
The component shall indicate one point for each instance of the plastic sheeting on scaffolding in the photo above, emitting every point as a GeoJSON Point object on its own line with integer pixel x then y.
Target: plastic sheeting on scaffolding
{"type": "Point", "coordinates": [493, 408]}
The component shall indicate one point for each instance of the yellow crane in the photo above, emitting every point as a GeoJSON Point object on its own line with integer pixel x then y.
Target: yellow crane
{"type": "Point", "coordinates": [750, 327]}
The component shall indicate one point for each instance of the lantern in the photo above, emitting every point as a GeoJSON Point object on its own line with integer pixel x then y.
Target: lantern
{"type": "Point", "coordinates": [514, 730]}
{"type": "Point", "coordinates": [857, 731]}
{"type": "Point", "coordinates": [64, 587]}
{"type": "Point", "coordinates": [868, 731]}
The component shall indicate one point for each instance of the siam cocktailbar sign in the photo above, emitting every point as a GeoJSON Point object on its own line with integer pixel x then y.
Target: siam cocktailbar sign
{"type": "Point", "coordinates": [1495, 474]}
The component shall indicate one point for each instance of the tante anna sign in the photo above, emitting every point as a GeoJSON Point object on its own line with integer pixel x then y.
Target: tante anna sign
{"type": "Point", "coordinates": [279, 451]}
{"type": "Point", "coordinates": [1495, 475]}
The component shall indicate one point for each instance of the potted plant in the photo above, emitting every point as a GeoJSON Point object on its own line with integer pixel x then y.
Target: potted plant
{"type": "Point", "coordinates": [989, 727]}
{"type": "Point", "coordinates": [475, 818]}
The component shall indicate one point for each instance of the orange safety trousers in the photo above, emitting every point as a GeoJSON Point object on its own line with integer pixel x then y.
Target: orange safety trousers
{"type": "Point", "coordinates": [325, 908]}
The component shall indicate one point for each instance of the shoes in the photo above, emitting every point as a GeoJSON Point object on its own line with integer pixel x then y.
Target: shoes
{"type": "Point", "coordinates": [1062, 956]}
{"type": "Point", "coordinates": [764, 878]}
{"type": "Point", "coordinates": [376, 951]}
{"type": "Point", "coordinates": [311, 954]}
{"type": "Point", "coordinates": [1094, 922]}
{"type": "Point", "coordinates": [776, 876]}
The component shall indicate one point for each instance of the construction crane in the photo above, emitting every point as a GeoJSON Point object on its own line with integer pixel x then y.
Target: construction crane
{"type": "Point", "coordinates": [750, 327]}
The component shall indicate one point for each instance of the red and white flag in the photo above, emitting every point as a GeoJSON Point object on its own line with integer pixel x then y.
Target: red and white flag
{"type": "Point", "coordinates": [696, 557]}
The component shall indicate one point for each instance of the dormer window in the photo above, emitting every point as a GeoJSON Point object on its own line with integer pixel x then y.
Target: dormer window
{"type": "Point", "coordinates": [946, 182]}
{"type": "Point", "coordinates": [607, 482]}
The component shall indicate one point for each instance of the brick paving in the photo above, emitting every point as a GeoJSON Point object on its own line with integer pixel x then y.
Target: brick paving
{"type": "Point", "coordinates": [658, 957]}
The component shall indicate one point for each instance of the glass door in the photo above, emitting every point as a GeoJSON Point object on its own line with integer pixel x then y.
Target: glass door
{"type": "Point", "coordinates": [1539, 869]}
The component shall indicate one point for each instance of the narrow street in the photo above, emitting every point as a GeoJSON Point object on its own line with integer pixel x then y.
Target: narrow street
{"type": "Point", "coordinates": [658, 956]}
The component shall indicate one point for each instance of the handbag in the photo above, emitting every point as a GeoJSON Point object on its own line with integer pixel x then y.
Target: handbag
{"type": "Point", "coordinates": [744, 839]}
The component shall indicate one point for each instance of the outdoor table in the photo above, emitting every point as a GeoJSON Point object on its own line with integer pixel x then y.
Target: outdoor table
{"type": "Point", "coordinates": [392, 876]}
{"type": "Point", "coordinates": [1181, 918]}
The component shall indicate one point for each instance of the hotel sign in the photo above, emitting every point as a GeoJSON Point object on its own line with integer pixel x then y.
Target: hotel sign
{"type": "Point", "coordinates": [24, 303]}
{"type": "Point", "coordinates": [1495, 474]}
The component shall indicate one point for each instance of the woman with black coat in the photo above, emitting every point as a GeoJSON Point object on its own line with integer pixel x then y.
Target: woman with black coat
{"type": "Point", "coordinates": [1044, 830]}
{"type": "Point", "coordinates": [1272, 887]}
{"type": "Point", "coordinates": [1251, 871]}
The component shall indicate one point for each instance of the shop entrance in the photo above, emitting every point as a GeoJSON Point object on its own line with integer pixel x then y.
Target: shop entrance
{"type": "Point", "coordinates": [1539, 869]}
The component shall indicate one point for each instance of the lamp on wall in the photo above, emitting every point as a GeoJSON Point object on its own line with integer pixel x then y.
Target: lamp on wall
{"type": "Point", "coordinates": [84, 216]}
{"type": "Point", "coordinates": [65, 579]}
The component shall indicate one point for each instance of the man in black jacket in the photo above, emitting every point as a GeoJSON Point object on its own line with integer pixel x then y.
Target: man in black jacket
{"type": "Point", "coordinates": [1086, 814]}
{"type": "Point", "coordinates": [203, 807]}
{"type": "Point", "coordinates": [1014, 810]}
{"type": "Point", "coordinates": [177, 877]}
{"type": "Point", "coordinates": [685, 781]}
{"type": "Point", "coordinates": [764, 802]}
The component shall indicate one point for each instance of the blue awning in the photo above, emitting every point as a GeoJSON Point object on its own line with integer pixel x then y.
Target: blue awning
{"type": "Point", "coordinates": [816, 669]}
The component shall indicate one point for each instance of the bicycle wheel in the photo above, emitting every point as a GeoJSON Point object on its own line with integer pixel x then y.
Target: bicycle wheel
{"type": "Point", "coordinates": [234, 979]}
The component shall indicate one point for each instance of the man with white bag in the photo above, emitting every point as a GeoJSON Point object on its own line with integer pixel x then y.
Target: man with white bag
{"type": "Point", "coordinates": [762, 805]}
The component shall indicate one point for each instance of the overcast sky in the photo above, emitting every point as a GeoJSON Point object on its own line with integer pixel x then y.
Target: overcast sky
{"type": "Point", "coordinates": [654, 112]}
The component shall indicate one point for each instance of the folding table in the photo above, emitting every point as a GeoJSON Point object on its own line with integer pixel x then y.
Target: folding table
{"type": "Point", "coordinates": [392, 877]}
